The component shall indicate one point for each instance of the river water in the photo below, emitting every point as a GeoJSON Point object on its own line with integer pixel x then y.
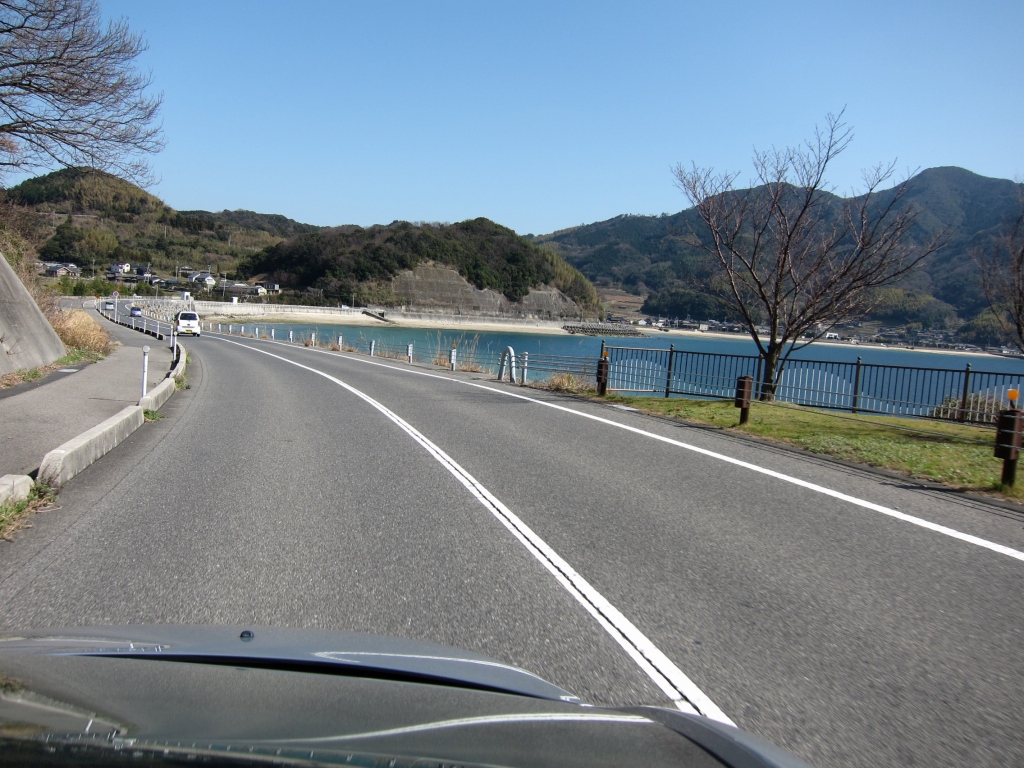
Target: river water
{"type": "Point", "coordinates": [480, 344]}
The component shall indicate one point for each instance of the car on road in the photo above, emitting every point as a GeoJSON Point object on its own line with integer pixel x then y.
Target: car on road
{"type": "Point", "coordinates": [108, 306]}
{"type": "Point", "coordinates": [223, 697]}
{"type": "Point", "coordinates": [187, 322]}
{"type": "Point", "coordinates": [136, 312]}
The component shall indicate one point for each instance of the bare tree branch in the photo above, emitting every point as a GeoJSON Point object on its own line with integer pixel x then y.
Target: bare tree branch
{"type": "Point", "coordinates": [69, 92]}
{"type": "Point", "coordinates": [794, 259]}
{"type": "Point", "coordinates": [1002, 275]}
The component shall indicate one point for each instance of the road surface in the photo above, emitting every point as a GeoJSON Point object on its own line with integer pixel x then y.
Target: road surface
{"type": "Point", "coordinates": [854, 619]}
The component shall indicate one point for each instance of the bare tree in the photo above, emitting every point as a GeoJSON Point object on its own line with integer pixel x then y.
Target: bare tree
{"type": "Point", "coordinates": [793, 259]}
{"type": "Point", "coordinates": [1002, 276]}
{"type": "Point", "coordinates": [69, 92]}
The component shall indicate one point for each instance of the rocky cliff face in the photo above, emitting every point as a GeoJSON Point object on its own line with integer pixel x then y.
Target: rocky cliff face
{"type": "Point", "coordinates": [436, 287]}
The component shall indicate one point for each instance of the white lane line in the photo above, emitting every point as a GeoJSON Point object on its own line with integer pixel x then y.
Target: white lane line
{"type": "Point", "coordinates": [918, 521]}
{"type": "Point", "coordinates": [672, 681]}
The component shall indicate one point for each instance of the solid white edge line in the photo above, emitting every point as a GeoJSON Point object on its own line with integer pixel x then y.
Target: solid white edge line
{"type": "Point", "coordinates": [672, 681]}
{"type": "Point", "coordinates": [918, 521]}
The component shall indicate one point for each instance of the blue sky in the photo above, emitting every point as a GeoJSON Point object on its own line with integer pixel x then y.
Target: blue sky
{"type": "Point", "coordinates": [545, 115]}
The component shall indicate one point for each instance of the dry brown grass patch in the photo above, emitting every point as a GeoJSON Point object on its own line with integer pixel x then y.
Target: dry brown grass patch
{"type": "Point", "coordinates": [79, 330]}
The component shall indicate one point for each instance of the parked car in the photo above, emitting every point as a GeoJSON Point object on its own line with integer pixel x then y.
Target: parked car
{"type": "Point", "coordinates": [187, 322]}
{"type": "Point", "coordinates": [136, 312]}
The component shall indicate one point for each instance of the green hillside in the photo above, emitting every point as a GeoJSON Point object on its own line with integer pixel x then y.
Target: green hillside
{"type": "Point", "coordinates": [90, 217]}
{"type": "Point", "coordinates": [488, 255]}
{"type": "Point", "coordinates": [647, 255]}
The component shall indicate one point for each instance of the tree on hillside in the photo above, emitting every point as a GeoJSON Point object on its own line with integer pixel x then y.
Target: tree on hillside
{"type": "Point", "coordinates": [69, 92]}
{"type": "Point", "coordinates": [1002, 276]}
{"type": "Point", "coordinates": [793, 259]}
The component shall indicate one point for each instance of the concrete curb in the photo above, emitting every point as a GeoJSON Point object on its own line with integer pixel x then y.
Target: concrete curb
{"type": "Point", "coordinates": [63, 463]}
{"type": "Point", "coordinates": [15, 488]}
{"type": "Point", "coordinates": [162, 392]}
{"type": "Point", "coordinates": [157, 396]}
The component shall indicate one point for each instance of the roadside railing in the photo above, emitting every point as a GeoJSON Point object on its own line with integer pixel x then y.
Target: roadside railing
{"type": "Point", "coordinates": [965, 394]}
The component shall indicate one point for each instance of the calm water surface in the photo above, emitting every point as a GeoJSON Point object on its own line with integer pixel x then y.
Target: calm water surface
{"type": "Point", "coordinates": [428, 341]}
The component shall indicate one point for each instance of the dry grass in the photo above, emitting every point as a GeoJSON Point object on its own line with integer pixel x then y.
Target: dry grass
{"type": "Point", "coordinates": [79, 330]}
{"type": "Point", "coordinates": [14, 515]}
{"type": "Point", "coordinates": [566, 382]}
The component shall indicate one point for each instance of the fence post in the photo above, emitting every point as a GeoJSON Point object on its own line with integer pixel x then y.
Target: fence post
{"type": "Point", "coordinates": [668, 377]}
{"type": "Point", "coordinates": [602, 372]}
{"type": "Point", "coordinates": [856, 387]}
{"type": "Point", "coordinates": [526, 364]}
{"type": "Point", "coordinates": [962, 415]}
{"type": "Point", "coordinates": [758, 383]}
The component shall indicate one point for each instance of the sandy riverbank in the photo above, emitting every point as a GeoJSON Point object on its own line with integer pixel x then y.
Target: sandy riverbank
{"type": "Point", "coordinates": [396, 320]}
{"type": "Point", "coordinates": [471, 323]}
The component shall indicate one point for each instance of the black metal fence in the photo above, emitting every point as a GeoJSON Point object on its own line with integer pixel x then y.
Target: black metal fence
{"type": "Point", "coordinates": [962, 394]}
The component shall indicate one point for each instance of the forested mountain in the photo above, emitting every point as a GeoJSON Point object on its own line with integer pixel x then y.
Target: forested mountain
{"type": "Point", "coordinates": [83, 216]}
{"type": "Point", "coordinates": [649, 255]}
{"type": "Point", "coordinates": [484, 253]}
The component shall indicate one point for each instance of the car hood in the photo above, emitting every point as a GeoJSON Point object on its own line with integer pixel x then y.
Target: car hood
{"type": "Point", "coordinates": [244, 694]}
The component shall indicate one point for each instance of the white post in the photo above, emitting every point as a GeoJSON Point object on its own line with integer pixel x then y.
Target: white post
{"type": "Point", "coordinates": [290, 337]}
{"type": "Point", "coordinates": [257, 331]}
{"type": "Point", "coordinates": [339, 342]}
{"type": "Point", "coordinates": [451, 357]}
{"type": "Point", "coordinates": [408, 352]}
{"type": "Point", "coordinates": [373, 347]}
{"type": "Point", "coordinates": [145, 368]}
{"type": "Point", "coordinates": [313, 337]}
{"type": "Point", "coordinates": [271, 334]}
{"type": "Point", "coordinates": [526, 364]}
{"type": "Point", "coordinates": [242, 332]}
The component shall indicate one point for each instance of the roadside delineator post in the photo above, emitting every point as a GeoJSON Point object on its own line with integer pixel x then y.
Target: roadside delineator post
{"type": "Point", "coordinates": [744, 391]}
{"type": "Point", "coordinates": [290, 337]}
{"type": "Point", "coordinates": [602, 372]}
{"type": "Point", "coordinates": [1008, 438]}
{"type": "Point", "coordinates": [373, 347]}
{"type": "Point", "coordinates": [526, 364]}
{"type": "Point", "coordinates": [145, 368]}
{"type": "Point", "coordinates": [451, 357]}
{"type": "Point", "coordinates": [408, 352]}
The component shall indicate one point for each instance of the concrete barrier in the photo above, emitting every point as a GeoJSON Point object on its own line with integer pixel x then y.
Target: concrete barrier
{"type": "Point", "coordinates": [14, 488]}
{"type": "Point", "coordinates": [63, 463]}
{"type": "Point", "coordinates": [158, 395]}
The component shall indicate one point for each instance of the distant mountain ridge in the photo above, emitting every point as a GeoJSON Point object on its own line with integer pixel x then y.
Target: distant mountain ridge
{"type": "Point", "coordinates": [647, 254]}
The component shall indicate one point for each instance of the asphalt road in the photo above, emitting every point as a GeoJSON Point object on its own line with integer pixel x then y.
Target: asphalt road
{"type": "Point", "coordinates": [782, 587]}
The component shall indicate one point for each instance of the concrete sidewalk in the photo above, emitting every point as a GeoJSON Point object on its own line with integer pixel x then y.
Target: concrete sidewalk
{"type": "Point", "coordinates": [35, 420]}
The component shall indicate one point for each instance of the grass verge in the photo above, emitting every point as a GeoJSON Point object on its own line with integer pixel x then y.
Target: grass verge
{"type": "Point", "coordinates": [955, 455]}
{"type": "Point", "coordinates": [149, 415]}
{"type": "Point", "coordinates": [181, 382]}
{"type": "Point", "coordinates": [13, 514]}
{"type": "Point", "coordinates": [73, 357]}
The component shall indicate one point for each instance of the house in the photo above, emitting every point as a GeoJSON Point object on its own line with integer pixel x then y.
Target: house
{"type": "Point", "coordinates": [272, 288]}
{"type": "Point", "coordinates": [62, 270]}
{"type": "Point", "coordinates": [121, 268]}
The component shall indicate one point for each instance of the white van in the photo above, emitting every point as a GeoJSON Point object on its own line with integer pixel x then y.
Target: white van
{"type": "Point", "coordinates": [187, 322]}
{"type": "Point", "coordinates": [830, 336]}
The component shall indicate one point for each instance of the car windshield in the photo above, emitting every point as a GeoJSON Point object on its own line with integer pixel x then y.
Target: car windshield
{"type": "Point", "coordinates": [188, 316]}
